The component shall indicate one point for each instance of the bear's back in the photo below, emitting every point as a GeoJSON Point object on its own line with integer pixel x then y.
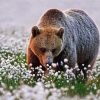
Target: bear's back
{"type": "Point", "coordinates": [86, 32]}
{"type": "Point", "coordinates": [52, 17]}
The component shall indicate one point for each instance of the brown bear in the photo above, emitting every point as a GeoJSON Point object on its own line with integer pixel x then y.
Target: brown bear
{"type": "Point", "coordinates": [70, 34]}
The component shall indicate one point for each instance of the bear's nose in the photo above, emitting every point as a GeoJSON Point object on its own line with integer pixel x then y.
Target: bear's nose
{"type": "Point", "coordinates": [49, 61]}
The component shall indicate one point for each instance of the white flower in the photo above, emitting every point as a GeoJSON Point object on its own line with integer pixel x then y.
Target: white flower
{"type": "Point", "coordinates": [51, 72]}
{"type": "Point", "coordinates": [65, 60]}
{"type": "Point", "coordinates": [40, 66]}
{"type": "Point", "coordinates": [56, 74]}
{"type": "Point", "coordinates": [3, 85]}
{"type": "Point", "coordinates": [47, 65]}
{"type": "Point", "coordinates": [30, 64]}
{"type": "Point", "coordinates": [48, 85]}
{"type": "Point", "coordinates": [94, 86]}
{"type": "Point", "coordinates": [72, 87]}
{"type": "Point", "coordinates": [59, 76]}
{"type": "Point", "coordinates": [42, 71]}
{"type": "Point", "coordinates": [82, 64]}
{"type": "Point", "coordinates": [54, 65]}
{"type": "Point", "coordinates": [50, 67]}
{"type": "Point", "coordinates": [89, 66]}
{"type": "Point", "coordinates": [10, 76]}
{"type": "Point", "coordinates": [66, 66]}
{"type": "Point", "coordinates": [67, 81]}
{"type": "Point", "coordinates": [85, 68]}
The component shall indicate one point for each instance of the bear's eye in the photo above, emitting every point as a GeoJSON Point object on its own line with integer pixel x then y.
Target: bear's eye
{"type": "Point", "coordinates": [43, 49]}
{"type": "Point", "coordinates": [53, 50]}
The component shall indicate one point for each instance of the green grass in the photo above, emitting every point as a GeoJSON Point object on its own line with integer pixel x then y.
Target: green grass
{"type": "Point", "coordinates": [69, 87]}
{"type": "Point", "coordinates": [16, 60]}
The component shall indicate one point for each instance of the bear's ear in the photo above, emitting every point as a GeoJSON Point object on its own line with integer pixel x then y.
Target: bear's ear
{"type": "Point", "coordinates": [35, 31]}
{"type": "Point", "coordinates": [60, 32]}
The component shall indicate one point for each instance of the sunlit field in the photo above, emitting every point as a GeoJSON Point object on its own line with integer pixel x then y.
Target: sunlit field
{"type": "Point", "coordinates": [16, 81]}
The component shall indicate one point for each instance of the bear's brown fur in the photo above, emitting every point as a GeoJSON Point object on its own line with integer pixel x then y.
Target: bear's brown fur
{"type": "Point", "coordinates": [58, 35]}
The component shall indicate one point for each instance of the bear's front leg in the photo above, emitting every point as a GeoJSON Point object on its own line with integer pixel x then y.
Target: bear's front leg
{"type": "Point", "coordinates": [72, 60]}
{"type": "Point", "coordinates": [32, 59]}
{"type": "Point", "coordinates": [33, 62]}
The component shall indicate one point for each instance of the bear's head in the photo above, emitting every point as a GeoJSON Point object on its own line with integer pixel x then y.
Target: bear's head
{"type": "Point", "coordinates": [46, 43]}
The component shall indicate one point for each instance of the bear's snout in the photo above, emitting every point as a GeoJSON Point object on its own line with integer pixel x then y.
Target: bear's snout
{"type": "Point", "coordinates": [49, 60]}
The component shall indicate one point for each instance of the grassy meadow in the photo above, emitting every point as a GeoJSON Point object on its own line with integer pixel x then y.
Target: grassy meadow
{"type": "Point", "coordinates": [14, 73]}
